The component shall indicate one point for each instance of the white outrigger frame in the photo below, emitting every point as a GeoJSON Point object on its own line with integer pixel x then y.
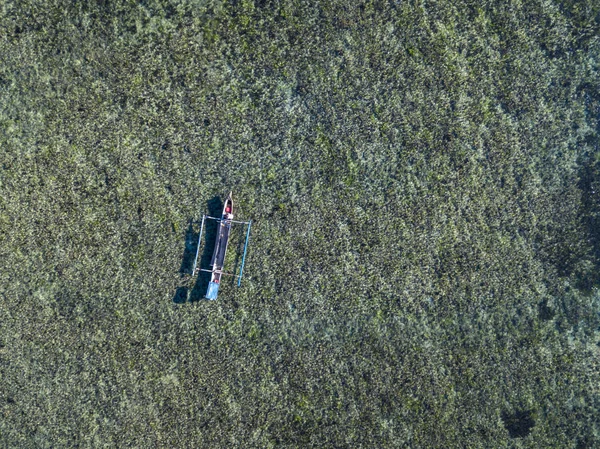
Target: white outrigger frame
{"type": "Point", "coordinates": [197, 268]}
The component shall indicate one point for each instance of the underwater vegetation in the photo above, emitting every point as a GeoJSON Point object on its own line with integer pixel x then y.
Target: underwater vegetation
{"type": "Point", "coordinates": [423, 179]}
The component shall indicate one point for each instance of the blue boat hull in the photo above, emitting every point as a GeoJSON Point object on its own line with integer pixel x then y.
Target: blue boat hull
{"type": "Point", "coordinates": [212, 291]}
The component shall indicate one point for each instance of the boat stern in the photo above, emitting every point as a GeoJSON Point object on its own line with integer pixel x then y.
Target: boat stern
{"type": "Point", "coordinates": [212, 291]}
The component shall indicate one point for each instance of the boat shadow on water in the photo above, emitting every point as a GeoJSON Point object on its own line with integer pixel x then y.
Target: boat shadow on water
{"type": "Point", "coordinates": [196, 292]}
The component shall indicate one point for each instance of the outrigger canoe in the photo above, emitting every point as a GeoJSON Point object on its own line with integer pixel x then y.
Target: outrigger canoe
{"type": "Point", "coordinates": [217, 262]}
{"type": "Point", "coordinates": [218, 258]}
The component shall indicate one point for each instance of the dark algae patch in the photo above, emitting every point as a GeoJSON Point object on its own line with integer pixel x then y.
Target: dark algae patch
{"type": "Point", "coordinates": [423, 180]}
{"type": "Point", "coordinates": [518, 424]}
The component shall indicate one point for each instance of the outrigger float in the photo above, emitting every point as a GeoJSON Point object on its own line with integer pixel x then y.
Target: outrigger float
{"type": "Point", "coordinates": [218, 258]}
